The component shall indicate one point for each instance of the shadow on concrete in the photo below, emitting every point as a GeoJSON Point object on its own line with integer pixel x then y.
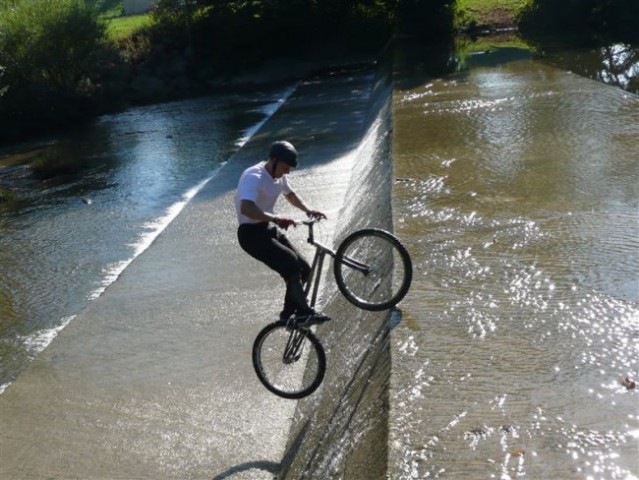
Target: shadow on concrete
{"type": "Point", "coordinates": [324, 118]}
{"type": "Point", "coordinates": [271, 467]}
{"type": "Point", "coordinates": [264, 465]}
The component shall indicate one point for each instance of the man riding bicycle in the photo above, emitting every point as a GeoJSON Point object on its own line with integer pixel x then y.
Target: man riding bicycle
{"type": "Point", "coordinates": [258, 189]}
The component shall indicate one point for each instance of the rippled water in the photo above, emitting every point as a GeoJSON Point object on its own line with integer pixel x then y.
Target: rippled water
{"type": "Point", "coordinates": [71, 231]}
{"type": "Point", "coordinates": [517, 195]}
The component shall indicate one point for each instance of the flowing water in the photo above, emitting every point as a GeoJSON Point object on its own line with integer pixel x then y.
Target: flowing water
{"type": "Point", "coordinates": [118, 181]}
{"type": "Point", "coordinates": [517, 196]}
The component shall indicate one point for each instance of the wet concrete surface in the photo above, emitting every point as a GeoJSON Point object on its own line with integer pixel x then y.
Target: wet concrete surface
{"type": "Point", "coordinates": [342, 432]}
{"type": "Point", "coordinates": [154, 379]}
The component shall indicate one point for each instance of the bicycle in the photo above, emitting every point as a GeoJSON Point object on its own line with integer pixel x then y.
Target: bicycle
{"type": "Point", "coordinates": [288, 358]}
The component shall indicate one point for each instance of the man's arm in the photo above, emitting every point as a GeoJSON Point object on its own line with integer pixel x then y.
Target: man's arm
{"type": "Point", "coordinates": [298, 203]}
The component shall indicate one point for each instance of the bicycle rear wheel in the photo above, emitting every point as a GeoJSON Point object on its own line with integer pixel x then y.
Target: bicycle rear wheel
{"type": "Point", "coordinates": [290, 362]}
{"type": "Point", "coordinates": [373, 270]}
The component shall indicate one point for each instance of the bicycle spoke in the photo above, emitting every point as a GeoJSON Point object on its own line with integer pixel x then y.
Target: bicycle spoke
{"type": "Point", "coordinates": [294, 347]}
{"type": "Point", "coordinates": [378, 257]}
{"type": "Point", "coordinates": [386, 274]}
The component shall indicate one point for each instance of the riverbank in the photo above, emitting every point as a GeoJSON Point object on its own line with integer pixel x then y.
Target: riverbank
{"type": "Point", "coordinates": [178, 57]}
{"type": "Point", "coordinates": [168, 77]}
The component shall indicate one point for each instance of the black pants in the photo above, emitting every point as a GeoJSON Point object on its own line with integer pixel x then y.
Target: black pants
{"type": "Point", "coordinates": [271, 247]}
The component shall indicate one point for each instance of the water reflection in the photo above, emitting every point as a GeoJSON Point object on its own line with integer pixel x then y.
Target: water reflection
{"type": "Point", "coordinates": [615, 64]}
{"type": "Point", "coordinates": [621, 66]}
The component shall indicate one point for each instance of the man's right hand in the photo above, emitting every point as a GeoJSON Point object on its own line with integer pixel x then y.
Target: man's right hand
{"type": "Point", "coordinates": [283, 223]}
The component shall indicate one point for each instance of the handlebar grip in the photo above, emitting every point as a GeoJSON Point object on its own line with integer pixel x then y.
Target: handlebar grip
{"type": "Point", "coordinates": [308, 221]}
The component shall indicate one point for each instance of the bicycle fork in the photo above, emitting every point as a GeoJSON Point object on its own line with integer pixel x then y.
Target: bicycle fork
{"type": "Point", "coordinates": [294, 347]}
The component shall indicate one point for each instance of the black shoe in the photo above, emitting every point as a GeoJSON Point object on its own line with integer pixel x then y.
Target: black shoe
{"type": "Point", "coordinates": [308, 319]}
{"type": "Point", "coordinates": [285, 316]}
{"type": "Point", "coordinates": [287, 313]}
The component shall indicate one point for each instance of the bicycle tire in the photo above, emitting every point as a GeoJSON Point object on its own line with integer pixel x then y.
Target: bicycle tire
{"type": "Point", "coordinates": [299, 375]}
{"type": "Point", "coordinates": [390, 274]}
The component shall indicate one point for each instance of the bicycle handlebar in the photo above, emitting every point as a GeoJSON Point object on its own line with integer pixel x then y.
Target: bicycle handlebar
{"type": "Point", "coordinates": [309, 222]}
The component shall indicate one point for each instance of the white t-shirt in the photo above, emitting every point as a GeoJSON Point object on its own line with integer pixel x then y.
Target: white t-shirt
{"type": "Point", "coordinates": [257, 185]}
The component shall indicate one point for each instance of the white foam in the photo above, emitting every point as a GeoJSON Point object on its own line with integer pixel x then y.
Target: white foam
{"type": "Point", "coordinates": [154, 229]}
{"type": "Point", "coordinates": [268, 111]}
{"type": "Point", "coordinates": [38, 341]}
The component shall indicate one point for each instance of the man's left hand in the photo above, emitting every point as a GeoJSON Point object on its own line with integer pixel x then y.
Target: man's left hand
{"type": "Point", "coordinates": [316, 214]}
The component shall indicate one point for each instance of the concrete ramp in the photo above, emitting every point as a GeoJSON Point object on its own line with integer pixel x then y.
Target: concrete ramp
{"type": "Point", "coordinates": [342, 431]}
{"type": "Point", "coordinates": [154, 379]}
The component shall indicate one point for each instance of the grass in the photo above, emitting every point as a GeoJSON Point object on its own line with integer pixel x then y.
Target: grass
{"type": "Point", "coordinates": [119, 26]}
{"type": "Point", "coordinates": [6, 196]}
{"type": "Point", "coordinates": [123, 27]}
{"type": "Point", "coordinates": [486, 44]}
{"type": "Point", "coordinates": [487, 13]}
{"type": "Point", "coordinates": [469, 14]}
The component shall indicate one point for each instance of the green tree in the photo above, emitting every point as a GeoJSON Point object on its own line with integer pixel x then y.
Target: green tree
{"type": "Point", "coordinates": [49, 51]}
{"type": "Point", "coordinates": [430, 20]}
{"type": "Point", "coordinates": [237, 33]}
{"type": "Point", "coordinates": [52, 41]}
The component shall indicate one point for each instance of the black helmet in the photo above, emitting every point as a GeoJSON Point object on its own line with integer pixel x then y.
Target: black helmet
{"type": "Point", "coordinates": [284, 152]}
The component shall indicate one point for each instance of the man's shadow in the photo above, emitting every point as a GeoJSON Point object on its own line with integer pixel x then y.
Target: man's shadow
{"type": "Point", "coordinates": [270, 467]}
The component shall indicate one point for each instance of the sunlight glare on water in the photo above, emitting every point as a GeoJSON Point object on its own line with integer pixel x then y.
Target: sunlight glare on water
{"type": "Point", "coordinates": [516, 194]}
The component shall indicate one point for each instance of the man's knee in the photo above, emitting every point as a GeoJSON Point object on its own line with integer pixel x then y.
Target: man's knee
{"type": "Point", "coordinates": [305, 271]}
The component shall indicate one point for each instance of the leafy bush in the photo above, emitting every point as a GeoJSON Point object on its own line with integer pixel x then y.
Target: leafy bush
{"type": "Point", "coordinates": [232, 34]}
{"type": "Point", "coordinates": [6, 195]}
{"type": "Point", "coordinates": [430, 20]}
{"type": "Point", "coordinates": [56, 41]}
{"type": "Point", "coordinates": [49, 50]}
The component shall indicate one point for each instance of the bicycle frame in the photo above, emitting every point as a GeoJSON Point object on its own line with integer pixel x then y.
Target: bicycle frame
{"type": "Point", "coordinates": [273, 363]}
{"type": "Point", "coordinates": [318, 263]}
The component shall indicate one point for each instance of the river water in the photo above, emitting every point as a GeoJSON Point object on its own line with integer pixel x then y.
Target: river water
{"type": "Point", "coordinates": [517, 196]}
{"type": "Point", "coordinates": [71, 231]}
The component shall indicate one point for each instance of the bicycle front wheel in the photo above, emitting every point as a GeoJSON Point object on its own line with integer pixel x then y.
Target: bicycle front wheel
{"type": "Point", "coordinates": [290, 362]}
{"type": "Point", "coordinates": [373, 270]}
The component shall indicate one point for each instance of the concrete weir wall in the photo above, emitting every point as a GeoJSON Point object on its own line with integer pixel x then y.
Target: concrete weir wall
{"type": "Point", "coordinates": [342, 430]}
{"type": "Point", "coordinates": [154, 380]}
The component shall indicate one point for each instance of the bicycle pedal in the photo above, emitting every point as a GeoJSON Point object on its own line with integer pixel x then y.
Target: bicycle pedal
{"type": "Point", "coordinates": [306, 321]}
